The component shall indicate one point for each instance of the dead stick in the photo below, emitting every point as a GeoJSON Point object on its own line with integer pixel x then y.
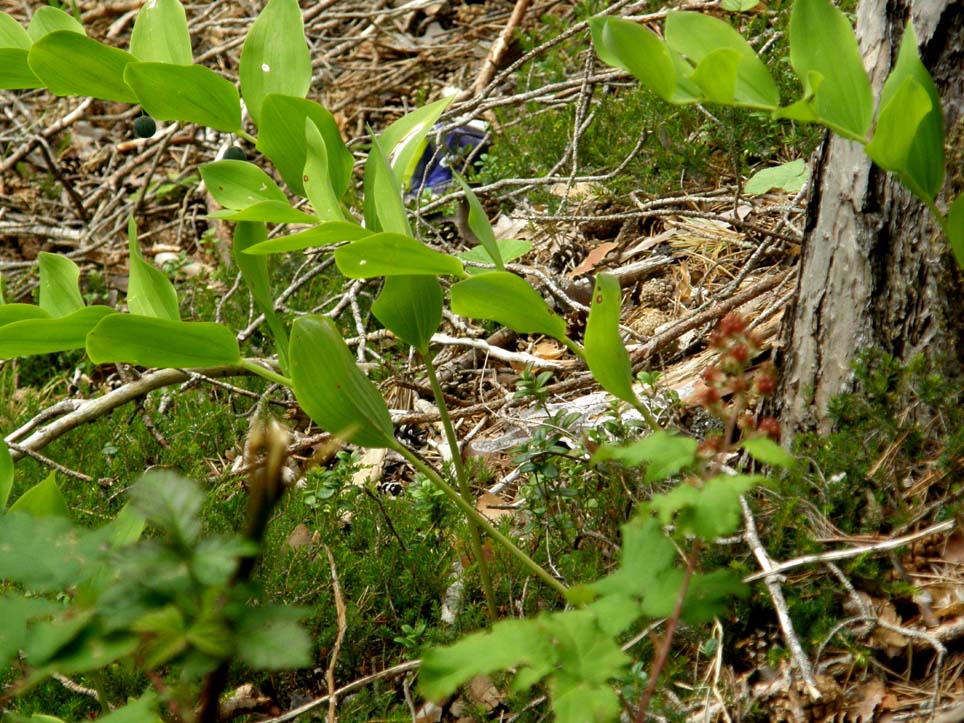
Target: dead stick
{"type": "Point", "coordinates": [499, 47]}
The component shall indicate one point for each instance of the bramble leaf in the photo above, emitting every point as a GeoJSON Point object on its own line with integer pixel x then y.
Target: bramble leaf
{"type": "Point", "coordinates": [663, 453]}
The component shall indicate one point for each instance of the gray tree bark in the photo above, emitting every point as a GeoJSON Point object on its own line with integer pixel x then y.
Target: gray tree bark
{"type": "Point", "coordinates": [875, 270]}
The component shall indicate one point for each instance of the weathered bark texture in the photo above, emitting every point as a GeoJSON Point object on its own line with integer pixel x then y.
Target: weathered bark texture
{"type": "Point", "coordinates": [875, 271]}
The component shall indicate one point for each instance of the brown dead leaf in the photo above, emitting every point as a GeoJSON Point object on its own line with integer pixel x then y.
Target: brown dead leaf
{"type": "Point", "coordinates": [549, 349]}
{"type": "Point", "coordinates": [890, 641]}
{"type": "Point", "coordinates": [490, 506]}
{"type": "Point", "coordinates": [299, 537]}
{"type": "Point", "coordinates": [481, 691]}
{"type": "Point", "coordinates": [864, 709]}
{"type": "Point", "coordinates": [593, 258]}
{"type": "Point", "coordinates": [954, 548]}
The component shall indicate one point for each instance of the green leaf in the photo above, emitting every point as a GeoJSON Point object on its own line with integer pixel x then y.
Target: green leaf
{"type": "Point", "coordinates": [275, 57]}
{"type": "Point", "coordinates": [254, 270]}
{"type": "Point", "coordinates": [268, 639]}
{"type": "Point", "coordinates": [316, 178]}
{"type": "Point", "coordinates": [281, 138]}
{"type": "Point", "coordinates": [955, 228]}
{"type": "Point", "coordinates": [171, 502]}
{"type": "Point", "coordinates": [575, 701]}
{"type": "Point", "coordinates": [59, 289]}
{"type": "Point", "coordinates": [160, 34]}
{"type": "Point", "coordinates": [215, 559]}
{"type": "Point", "coordinates": [43, 500]}
{"type": "Point", "coordinates": [663, 453]}
{"type": "Point", "coordinates": [727, 68]}
{"type": "Point", "coordinates": [48, 19]}
{"type": "Point", "coordinates": [186, 93]}
{"type": "Point", "coordinates": [46, 336]}
{"type": "Point", "coordinates": [479, 225]}
{"type": "Point", "coordinates": [51, 553]}
{"type": "Point", "coordinates": [510, 249]}
{"type": "Point", "coordinates": [6, 475]}
{"type": "Point", "coordinates": [15, 72]}
{"type": "Point", "coordinates": [45, 640]}
{"type": "Point", "coordinates": [326, 234]}
{"type": "Point", "coordinates": [95, 652]}
{"type": "Point", "coordinates": [405, 139]}
{"type": "Point", "coordinates": [16, 612]}
{"type": "Point", "coordinates": [789, 177]}
{"type": "Point", "coordinates": [12, 34]}
{"type": "Point", "coordinates": [149, 291]}
{"type": "Point", "coordinates": [822, 45]}
{"type": "Point", "coordinates": [606, 356]}
{"type": "Point", "coordinates": [239, 184]}
{"type": "Point", "coordinates": [161, 343]}
{"type": "Point", "coordinates": [332, 389]}
{"type": "Point", "coordinates": [740, 6]}
{"type": "Point", "coordinates": [708, 512]}
{"type": "Point", "coordinates": [384, 210]}
{"type": "Point", "coordinates": [141, 710]}
{"type": "Point", "coordinates": [637, 50]}
{"type": "Point", "coordinates": [411, 308]}
{"type": "Point", "coordinates": [909, 137]}
{"type": "Point", "coordinates": [646, 556]}
{"type": "Point", "coordinates": [509, 300]}
{"type": "Point", "coordinates": [585, 652]}
{"type": "Point", "coordinates": [72, 64]}
{"type": "Point", "coordinates": [9, 313]}
{"type": "Point", "coordinates": [709, 595]}
{"type": "Point", "coordinates": [767, 451]}
{"type": "Point", "coordinates": [392, 254]}
{"type": "Point", "coordinates": [266, 212]}
{"type": "Point", "coordinates": [126, 527]}
{"type": "Point", "coordinates": [508, 644]}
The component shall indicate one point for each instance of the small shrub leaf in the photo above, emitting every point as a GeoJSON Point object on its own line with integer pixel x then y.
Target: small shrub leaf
{"type": "Point", "coordinates": [186, 93]}
{"type": "Point", "coordinates": [766, 451]}
{"type": "Point", "coordinates": [69, 63]}
{"type": "Point", "coordinates": [170, 502]}
{"type": "Point", "coordinates": [239, 184]}
{"type": "Point", "coordinates": [504, 297]}
{"type": "Point", "coordinates": [161, 343]}
{"type": "Point", "coordinates": [663, 453]}
{"type": "Point", "coordinates": [332, 389]}
{"type": "Point", "coordinates": [275, 56]}
{"type": "Point", "coordinates": [160, 34]}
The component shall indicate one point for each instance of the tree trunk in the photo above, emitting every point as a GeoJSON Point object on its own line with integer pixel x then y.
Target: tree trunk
{"type": "Point", "coordinates": [875, 271]}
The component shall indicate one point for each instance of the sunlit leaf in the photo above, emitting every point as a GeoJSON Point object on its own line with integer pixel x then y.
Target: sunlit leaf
{"type": "Point", "coordinates": [239, 184]}
{"type": "Point", "coordinates": [160, 33]}
{"type": "Point", "coordinates": [15, 72]}
{"type": "Point", "coordinates": [275, 57]}
{"type": "Point", "coordinates": [69, 63]}
{"type": "Point", "coordinates": [663, 453]}
{"type": "Point", "coordinates": [316, 177]}
{"type": "Point", "coordinates": [332, 389]}
{"type": "Point", "coordinates": [10, 313]}
{"type": "Point", "coordinates": [161, 343]}
{"type": "Point", "coordinates": [325, 234]}
{"type": "Point", "coordinates": [405, 139]}
{"type": "Point", "coordinates": [384, 210]}
{"type": "Point", "coordinates": [59, 289]}
{"type": "Point", "coordinates": [788, 177]}
{"type": "Point", "coordinates": [186, 93]}
{"type": "Point", "coordinates": [411, 308]}
{"type": "Point", "coordinates": [12, 34]}
{"type": "Point", "coordinates": [149, 291]}
{"type": "Point", "coordinates": [46, 336]}
{"type": "Point", "coordinates": [48, 19]}
{"type": "Point", "coordinates": [509, 300]}
{"type": "Point", "coordinates": [392, 254]}
{"type": "Point", "coordinates": [605, 353]}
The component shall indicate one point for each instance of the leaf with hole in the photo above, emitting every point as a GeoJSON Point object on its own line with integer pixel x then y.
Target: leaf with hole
{"type": "Point", "coordinates": [160, 33]}
{"type": "Point", "coordinates": [239, 184]}
{"type": "Point", "coordinates": [186, 93]}
{"type": "Point", "coordinates": [392, 254]}
{"type": "Point", "coordinates": [69, 63]}
{"type": "Point", "coordinates": [161, 343]}
{"type": "Point", "coordinates": [149, 291]}
{"type": "Point", "coordinates": [504, 297]}
{"type": "Point", "coordinates": [275, 57]}
{"type": "Point", "coordinates": [332, 389]}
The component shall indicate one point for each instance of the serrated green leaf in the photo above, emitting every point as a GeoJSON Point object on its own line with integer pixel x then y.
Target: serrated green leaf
{"type": "Point", "coordinates": [615, 613]}
{"type": "Point", "coordinates": [216, 558]}
{"type": "Point", "coordinates": [95, 652]}
{"type": "Point", "coordinates": [316, 177]}
{"type": "Point", "coordinates": [239, 184]}
{"type": "Point", "coordinates": [266, 212]}
{"type": "Point", "coordinates": [15, 72]}
{"type": "Point", "coordinates": [160, 34]}
{"type": "Point", "coordinates": [605, 353]}
{"type": "Point", "coordinates": [59, 289]}
{"type": "Point", "coordinates": [575, 701]}
{"type": "Point", "coordinates": [509, 643]}
{"type": "Point", "coordinates": [646, 555]}
{"type": "Point", "coordinates": [789, 177]}
{"type": "Point", "coordinates": [325, 234]}
{"type": "Point", "coordinates": [45, 640]}
{"type": "Point", "coordinates": [392, 254]}
{"type": "Point", "coordinates": [268, 639]}
{"type": "Point", "coordinates": [12, 34]}
{"type": "Point", "coordinates": [405, 139]}
{"type": "Point", "coordinates": [171, 502]}
{"type": "Point", "coordinates": [6, 475]}
{"type": "Point", "coordinates": [275, 57]}
{"type": "Point", "coordinates": [955, 228]}
{"type": "Point", "coordinates": [709, 594]}
{"type": "Point", "coordinates": [186, 93]}
{"type": "Point", "coordinates": [728, 70]}
{"type": "Point", "coordinates": [69, 63]}
{"type": "Point", "coordinates": [767, 451]}
{"type": "Point", "coordinates": [149, 291]}
{"type": "Point", "coordinates": [707, 512]}
{"type": "Point", "coordinates": [44, 499]}
{"type": "Point", "coordinates": [509, 300]}
{"type": "Point", "coordinates": [254, 270]}
{"type": "Point", "coordinates": [45, 553]}
{"type": "Point", "coordinates": [281, 138]}
{"type": "Point", "coordinates": [48, 19]}
{"type": "Point", "coordinates": [822, 44]}
{"type": "Point", "coordinates": [663, 453]}
{"type": "Point", "coordinates": [332, 389]}
{"type": "Point", "coordinates": [585, 652]}
{"type": "Point", "coordinates": [9, 313]}
{"type": "Point", "coordinates": [479, 225]}
{"type": "Point", "coordinates": [46, 336]}
{"type": "Point", "coordinates": [411, 308]}
{"type": "Point", "coordinates": [161, 343]}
